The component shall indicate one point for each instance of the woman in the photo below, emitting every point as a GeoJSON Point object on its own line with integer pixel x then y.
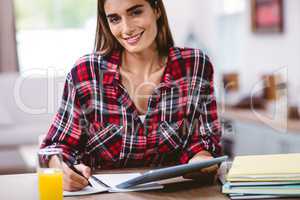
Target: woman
{"type": "Point", "coordinates": [137, 101]}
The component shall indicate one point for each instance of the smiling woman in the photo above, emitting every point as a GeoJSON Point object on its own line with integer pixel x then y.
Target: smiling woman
{"type": "Point", "coordinates": [156, 20]}
{"type": "Point", "coordinates": [137, 100]}
{"type": "Point", "coordinates": [129, 27]}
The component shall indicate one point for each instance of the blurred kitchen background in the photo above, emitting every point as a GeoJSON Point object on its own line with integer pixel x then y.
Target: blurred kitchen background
{"type": "Point", "coordinates": [253, 44]}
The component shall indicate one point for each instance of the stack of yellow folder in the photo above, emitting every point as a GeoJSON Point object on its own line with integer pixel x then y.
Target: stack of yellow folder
{"type": "Point", "coordinates": [264, 176]}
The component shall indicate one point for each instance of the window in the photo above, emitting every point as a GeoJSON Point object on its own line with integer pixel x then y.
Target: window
{"type": "Point", "coordinates": [53, 34]}
{"type": "Point", "coordinates": [233, 6]}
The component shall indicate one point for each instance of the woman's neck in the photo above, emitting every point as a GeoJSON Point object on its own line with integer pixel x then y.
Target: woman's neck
{"type": "Point", "coordinates": [144, 63]}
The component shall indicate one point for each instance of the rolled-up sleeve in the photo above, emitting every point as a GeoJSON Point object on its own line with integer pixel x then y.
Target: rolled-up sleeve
{"type": "Point", "coordinates": [66, 129]}
{"type": "Point", "coordinates": [202, 124]}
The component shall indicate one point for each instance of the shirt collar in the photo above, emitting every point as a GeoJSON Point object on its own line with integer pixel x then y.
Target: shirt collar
{"type": "Point", "coordinates": [113, 61]}
{"type": "Point", "coordinates": [111, 64]}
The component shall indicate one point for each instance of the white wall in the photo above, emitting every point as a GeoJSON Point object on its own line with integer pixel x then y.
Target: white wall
{"type": "Point", "coordinates": [233, 46]}
{"type": "Point", "coordinates": [193, 15]}
{"type": "Point", "coordinates": [268, 53]}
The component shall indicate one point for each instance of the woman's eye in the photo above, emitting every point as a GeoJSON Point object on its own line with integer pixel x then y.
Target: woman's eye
{"type": "Point", "coordinates": [136, 12]}
{"type": "Point", "coordinates": [114, 20]}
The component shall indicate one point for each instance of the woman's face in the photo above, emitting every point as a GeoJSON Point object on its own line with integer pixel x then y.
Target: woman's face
{"type": "Point", "coordinates": [133, 23]}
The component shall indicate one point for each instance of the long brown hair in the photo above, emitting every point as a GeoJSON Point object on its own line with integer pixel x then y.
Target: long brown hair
{"type": "Point", "coordinates": [105, 42]}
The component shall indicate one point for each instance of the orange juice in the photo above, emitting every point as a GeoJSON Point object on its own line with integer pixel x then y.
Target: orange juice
{"type": "Point", "coordinates": [50, 184]}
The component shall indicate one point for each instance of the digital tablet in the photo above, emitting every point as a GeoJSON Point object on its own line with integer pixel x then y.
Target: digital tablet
{"type": "Point", "coordinates": [170, 172]}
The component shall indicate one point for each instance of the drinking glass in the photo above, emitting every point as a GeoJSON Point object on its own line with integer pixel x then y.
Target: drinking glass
{"type": "Point", "coordinates": [50, 178]}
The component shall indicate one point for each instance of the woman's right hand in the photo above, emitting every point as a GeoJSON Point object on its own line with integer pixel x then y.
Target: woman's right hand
{"type": "Point", "coordinates": [71, 180]}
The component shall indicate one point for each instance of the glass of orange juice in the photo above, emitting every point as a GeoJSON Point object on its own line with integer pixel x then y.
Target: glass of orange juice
{"type": "Point", "coordinates": [50, 179]}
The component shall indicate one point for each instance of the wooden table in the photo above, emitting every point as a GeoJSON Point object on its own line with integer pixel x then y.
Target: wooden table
{"type": "Point", "coordinates": [24, 186]}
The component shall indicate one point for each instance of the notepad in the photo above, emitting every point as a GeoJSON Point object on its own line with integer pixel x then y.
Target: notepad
{"type": "Point", "coordinates": [145, 181]}
{"type": "Point", "coordinates": [112, 180]}
{"type": "Point", "coordinates": [263, 190]}
{"type": "Point", "coordinates": [255, 196]}
{"type": "Point", "coordinates": [276, 167]}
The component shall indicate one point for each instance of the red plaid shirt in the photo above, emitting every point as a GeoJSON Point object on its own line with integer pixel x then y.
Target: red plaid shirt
{"type": "Point", "coordinates": [98, 124]}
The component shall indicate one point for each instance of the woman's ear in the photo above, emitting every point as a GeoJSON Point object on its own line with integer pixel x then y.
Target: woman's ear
{"type": "Point", "coordinates": [157, 13]}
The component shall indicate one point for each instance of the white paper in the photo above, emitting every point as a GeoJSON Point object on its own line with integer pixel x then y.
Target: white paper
{"type": "Point", "coordinates": [85, 191]}
{"type": "Point", "coordinates": [112, 180]}
{"type": "Point", "coordinates": [115, 179]}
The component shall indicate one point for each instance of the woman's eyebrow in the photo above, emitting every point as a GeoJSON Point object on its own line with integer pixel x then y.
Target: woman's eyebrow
{"type": "Point", "coordinates": [134, 7]}
{"type": "Point", "coordinates": [127, 10]}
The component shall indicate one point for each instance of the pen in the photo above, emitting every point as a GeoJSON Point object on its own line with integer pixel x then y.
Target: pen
{"type": "Point", "coordinates": [100, 182]}
{"type": "Point", "coordinates": [79, 172]}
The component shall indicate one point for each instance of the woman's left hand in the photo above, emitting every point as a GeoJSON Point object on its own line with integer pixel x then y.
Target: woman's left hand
{"type": "Point", "coordinates": [204, 175]}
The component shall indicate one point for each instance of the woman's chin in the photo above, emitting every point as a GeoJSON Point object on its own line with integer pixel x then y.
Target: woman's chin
{"type": "Point", "coordinates": [134, 49]}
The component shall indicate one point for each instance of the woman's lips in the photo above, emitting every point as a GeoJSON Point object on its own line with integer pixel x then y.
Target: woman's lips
{"type": "Point", "coordinates": [134, 39]}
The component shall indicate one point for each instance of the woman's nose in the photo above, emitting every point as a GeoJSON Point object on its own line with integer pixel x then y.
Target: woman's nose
{"type": "Point", "coordinates": [127, 27]}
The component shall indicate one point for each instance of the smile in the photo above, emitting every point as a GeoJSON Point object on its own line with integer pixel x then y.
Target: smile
{"type": "Point", "coordinates": [134, 39]}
